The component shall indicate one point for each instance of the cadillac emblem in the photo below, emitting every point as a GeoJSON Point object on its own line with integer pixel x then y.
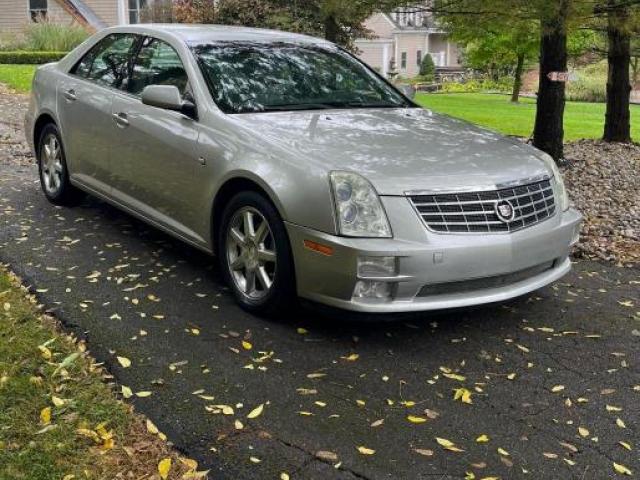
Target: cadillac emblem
{"type": "Point", "coordinates": [505, 211]}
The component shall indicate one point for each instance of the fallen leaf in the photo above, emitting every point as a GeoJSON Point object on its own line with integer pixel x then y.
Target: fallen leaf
{"type": "Point", "coordinates": [482, 439]}
{"type": "Point", "coordinates": [124, 362]}
{"type": "Point", "coordinates": [256, 412]}
{"type": "Point", "coordinates": [584, 433]}
{"type": "Point", "coordinates": [448, 445]}
{"type": "Point", "coordinates": [45, 416]}
{"type": "Point", "coordinates": [126, 391]}
{"type": "Point", "coordinates": [557, 388]}
{"type": "Point", "coordinates": [164, 467]}
{"type": "Point", "coordinates": [366, 451]}
{"type": "Point", "coordinates": [246, 345]}
{"type": "Point", "coordinates": [463, 395]}
{"type": "Point", "coordinates": [414, 419]}
{"type": "Point", "coordinates": [423, 452]}
{"type": "Point", "coordinates": [621, 469]}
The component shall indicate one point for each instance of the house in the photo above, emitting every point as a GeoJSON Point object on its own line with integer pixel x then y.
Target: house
{"type": "Point", "coordinates": [93, 14]}
{"type": "Point", "coordinates": [402, 38]}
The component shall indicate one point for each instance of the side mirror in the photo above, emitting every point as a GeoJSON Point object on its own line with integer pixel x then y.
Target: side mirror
{"type": "Point", "coordinates": [168, 97]}
{"type": "Point", "coordinates": [408, 91]}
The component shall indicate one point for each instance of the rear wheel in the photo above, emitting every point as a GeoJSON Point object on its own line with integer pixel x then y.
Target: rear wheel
{"type": "Point", "coordinates": [254, 253]}
{"type": "Point", "coordinates": [52, 167]}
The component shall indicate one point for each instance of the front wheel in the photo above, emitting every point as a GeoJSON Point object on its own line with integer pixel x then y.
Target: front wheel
{"type": "Point", "coordinates": [255, 256]}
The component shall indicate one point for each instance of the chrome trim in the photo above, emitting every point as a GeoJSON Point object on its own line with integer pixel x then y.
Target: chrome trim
{"type": "Point", "coordinates": [449, 216]}
{"type": "Point", "coordinates": [480, 188]}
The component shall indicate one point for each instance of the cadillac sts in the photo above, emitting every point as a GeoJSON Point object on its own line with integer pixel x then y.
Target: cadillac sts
{"type": "Point", "coordinates": [301, 169]}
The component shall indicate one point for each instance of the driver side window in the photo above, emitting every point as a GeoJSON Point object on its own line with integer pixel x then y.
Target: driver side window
{"type": "Point", "coordinates": [107, 62]}
{"type": "Point", "coordinates": [157, 63]}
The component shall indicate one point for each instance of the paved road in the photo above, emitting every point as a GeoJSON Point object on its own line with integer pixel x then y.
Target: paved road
{"type": "Point", "coordinates": [541, 370]}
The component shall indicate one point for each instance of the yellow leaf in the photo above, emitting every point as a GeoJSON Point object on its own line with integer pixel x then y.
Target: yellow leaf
{"type": "Point", "coordinates": [164, 467]}
{"type": "Point", "coordinates": [238, 425]}
{"type": "Point", "coordinates": [414, 419]}
{"type": "Point", "coordinates": [302, 331]}
{"type": "Point", "coordinates": [45, 352]}
{"type": "Point", "coordinates": [469, 476]}
{"type": "Point", "coordinates": [620, 423]}
{"type": "Point", "coordinates": [557, 388]}
{"type": "Point", "coordinates": [191, 464]}
{"type": "Point", "coordinates": [246, 345]}
{"type": "Point", "coordinates": [454, 376]}
{"type": "Point", "coordinates": [284, 476]}
{"type": "Point", "coordinates": [254, 460]}
{"type": "Point", "coordinates": [621, 469]}
{"type": "Point", "coordinates": [503, 452]}
{"type": "Point", "coordinates": [124, 361]}
{"type": "Point", "coordinates": [256, 412]}
{"type": "Point", "coordinates": [423, 451]}
{"type": "Point", "coordinates": [45, 416]}
{"type": "Point", "coordinates": [584, 433]}
{"type": "Point", "coordinates": [482, 439]}
{"type": "Point", "coordinates": [448, 445]}
{"type": "Point", "coordinates": [377, 423]}
{"type": "Point", "coordinates": [143, 394]}
{"type": "Point", "coordinates": [351, 358]}
{"type": "Point", "coordinates": [463, 395]}
{"type": "Point", "coordinates": [360, 403]}
{"type": "Point", "coordinates": [57, 401]}
{"type": "Point", "coordinates": [366, 451]}
{"type": "Point", "coordinates": [611, 408]}
{"type": "Point", "coordinates": [151, 428]}
{"type": "Point", "coordinates": [625, 445]}
{"type": "Point", "coordinates": [511, 376]}
{"type": "Point", "coordinates": [126, 391]}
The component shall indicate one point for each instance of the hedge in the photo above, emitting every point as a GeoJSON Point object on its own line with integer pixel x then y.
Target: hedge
{"type": "Point", "coordinates": [30, 58]}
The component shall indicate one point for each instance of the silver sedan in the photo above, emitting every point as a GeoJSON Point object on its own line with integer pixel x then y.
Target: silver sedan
{"type": "Point", "coordinates": [300, 168]}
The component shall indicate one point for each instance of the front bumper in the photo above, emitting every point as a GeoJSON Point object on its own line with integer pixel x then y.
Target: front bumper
{"type": "Point", "coordinates": [435, 271]}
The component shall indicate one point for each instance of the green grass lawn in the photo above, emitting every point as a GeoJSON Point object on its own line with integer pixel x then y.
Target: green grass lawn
{"type": "Point", "coordinates": [581, 120]}
{"type": "Point", "coordinates": [17, 77]}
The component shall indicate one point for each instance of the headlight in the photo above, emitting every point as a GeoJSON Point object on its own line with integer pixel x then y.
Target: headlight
{"type": "Point", "coordinates": [561, 191]}
{"type": "Point", "coordinates": [358, 207]}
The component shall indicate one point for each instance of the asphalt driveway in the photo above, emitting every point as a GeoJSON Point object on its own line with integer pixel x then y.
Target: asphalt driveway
{"type": "Point", "coordinates": [544, 387]}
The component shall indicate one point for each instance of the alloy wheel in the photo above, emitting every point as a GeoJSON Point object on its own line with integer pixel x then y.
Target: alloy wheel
{"type": "Point", "coordinates": [51, 164]}
{"type": "Point", "coordinates": [251, 253]}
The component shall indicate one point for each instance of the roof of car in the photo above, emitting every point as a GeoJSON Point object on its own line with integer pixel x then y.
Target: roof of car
{"type": "Point", "coordinates": [199, 33]}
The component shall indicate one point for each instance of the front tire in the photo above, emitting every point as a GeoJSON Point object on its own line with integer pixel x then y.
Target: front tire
{"type": "Point", "coordinates": [52, 168]}
{"type": "Point", "coordinates": [255, 255]}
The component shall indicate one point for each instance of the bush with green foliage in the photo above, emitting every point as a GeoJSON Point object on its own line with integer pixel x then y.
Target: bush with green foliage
{"type": "Point", "coordinates": [502, 85]}
{"type": "Point", "coordinates": [45, 36]}
{"type": "Point", "coordinates": [427, 67]}
{"type": "Point", "coordinates": [30, 58]}
{"type": "Point", "coordinates": [590, 84]}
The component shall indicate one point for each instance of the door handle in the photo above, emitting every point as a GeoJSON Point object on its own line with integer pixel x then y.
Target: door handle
{"type": "Point", "coordinates": [70, 95]}
{"type": "Point", "coordinates": [121, 119]}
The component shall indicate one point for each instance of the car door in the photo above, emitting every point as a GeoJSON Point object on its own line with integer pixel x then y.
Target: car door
{"type": "Point", "coordinates": [154, 156]}
{"type": "Point", "coordinates": [84, 104]}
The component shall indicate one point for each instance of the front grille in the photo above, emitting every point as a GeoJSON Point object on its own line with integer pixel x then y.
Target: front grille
{"type": "Point", "coordinates": [485, 283]}
{"type": "Point", "coordinates": [475, 212]}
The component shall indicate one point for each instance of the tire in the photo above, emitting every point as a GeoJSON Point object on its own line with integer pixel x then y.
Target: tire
{"type": "Point", "coordinates": [52, 169]}
{"type": "Point", "coordinates": [250, 262]}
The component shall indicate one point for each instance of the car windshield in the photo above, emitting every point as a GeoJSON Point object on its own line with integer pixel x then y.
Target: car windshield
{"type": "Point", "coordinates": [248, 77]}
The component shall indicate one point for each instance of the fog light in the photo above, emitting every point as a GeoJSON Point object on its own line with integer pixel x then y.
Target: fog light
{"type": "Point", "coordinates": [377, 267]}
{"type": "Point", "coordinates": [377, 290]}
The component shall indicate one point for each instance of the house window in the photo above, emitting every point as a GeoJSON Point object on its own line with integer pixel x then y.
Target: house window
{"type": "Point", "coordinates": [403, 61]}
{"type": "Point", "coordinates": [37, 10]}
{"type": "Point", "coordinates": [419, 57]}
{"type": "Point", "coordinates": [135, 7]}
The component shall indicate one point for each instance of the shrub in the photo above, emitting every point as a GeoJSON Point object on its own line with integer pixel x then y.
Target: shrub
{"type": "Point", "coordinates": [590, 84]}
{"type": "Point", "coordinates": [503, 85]}
{"type": "Point", "coordinates": [30, 58]}
{"type": "Point", "coordinates": [427, 67]}
{"type": "Point", "coordinates": [52, 37]}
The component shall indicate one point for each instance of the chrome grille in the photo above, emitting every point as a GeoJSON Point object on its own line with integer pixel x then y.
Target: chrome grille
{"type": "Point", "coordinates": [475, 212]}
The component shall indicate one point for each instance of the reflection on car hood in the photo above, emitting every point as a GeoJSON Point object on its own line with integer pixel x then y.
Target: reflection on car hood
{"type": "Point", "coordinates": [400, 150]}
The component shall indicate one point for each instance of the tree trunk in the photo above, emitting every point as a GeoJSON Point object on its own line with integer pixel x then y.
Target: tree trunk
{"type": "Point", "coordinates": [617, 126]}
{"type": "Point", "coordinates": [331, 29]}
{"type": "Point", "coordinates": [548, 134]}
{"type": "Point", "coordinates": [517, 79]}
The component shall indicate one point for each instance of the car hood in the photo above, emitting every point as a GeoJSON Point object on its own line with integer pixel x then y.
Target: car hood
{"type": "Point", "coordinates": [400, 150]}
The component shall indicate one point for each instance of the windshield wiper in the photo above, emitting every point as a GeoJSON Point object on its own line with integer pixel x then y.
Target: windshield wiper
{"type": "Point", "coordinates": [295, 106]}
